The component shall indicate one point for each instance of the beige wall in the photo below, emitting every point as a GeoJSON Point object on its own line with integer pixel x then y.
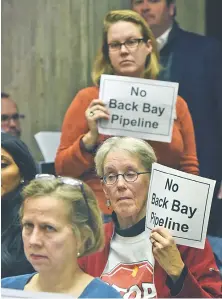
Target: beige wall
{"type": "Point", "coordinates": [47, 51]}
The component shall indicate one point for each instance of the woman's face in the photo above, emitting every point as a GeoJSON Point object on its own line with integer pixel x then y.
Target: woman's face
{"type": "Point", "coordinates": [10, 176]}
{"type": "Point", "coordinates": [128, 61]}
{"type": "Point", "coordinates": [127, 198]}
{"type": "Point", "coordinates": [49, 241]}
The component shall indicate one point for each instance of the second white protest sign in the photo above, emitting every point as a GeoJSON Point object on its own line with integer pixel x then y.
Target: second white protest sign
{"type": "Point", "coordinates": [181, 203]}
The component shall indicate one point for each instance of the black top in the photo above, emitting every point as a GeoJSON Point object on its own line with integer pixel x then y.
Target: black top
{"type": "Point", "coordinates": [13, 260]}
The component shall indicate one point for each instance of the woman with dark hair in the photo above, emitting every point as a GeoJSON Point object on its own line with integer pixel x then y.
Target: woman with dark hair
{"type": "Point", "coordinates": [17, 169]}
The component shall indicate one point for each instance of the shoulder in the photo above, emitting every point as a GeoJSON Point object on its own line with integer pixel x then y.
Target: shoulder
{"type": "Point", "coordinates": [200, 40]}
{"type": "Point", "coordinates": [181, 106]}
{"type": "Point", "coordinates": [192, 253]}
{"type": "Point", "coordinates": [92, 91]}
{"type": "Point", "coordinates": [16, 282]}
{"type": "Point", "coordinates": [99, 289]}
{"type": "Point", "coordinates": [83, 98]}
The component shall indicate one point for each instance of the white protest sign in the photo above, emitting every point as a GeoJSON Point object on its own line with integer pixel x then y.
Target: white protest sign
{"type": "Point", "coordinates": [181, 203]}
{"type": "Point", "coordinates": [138, 108]}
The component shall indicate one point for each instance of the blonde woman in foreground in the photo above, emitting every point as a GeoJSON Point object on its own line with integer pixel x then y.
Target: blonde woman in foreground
{"type": "Point", "coordinates": [60, 222]}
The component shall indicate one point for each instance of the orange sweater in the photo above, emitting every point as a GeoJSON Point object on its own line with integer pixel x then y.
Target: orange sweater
{"type": "Point", "coordinates": [72, 161]}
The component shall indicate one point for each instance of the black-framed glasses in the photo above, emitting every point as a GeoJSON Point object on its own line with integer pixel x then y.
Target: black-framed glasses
{"type": "Point", "coordinates": [129, 176]}
{"type": "Point", "coordinates": [130, 44]}
{"type": "Point", "coordinates": [15, 117]}
{"type": "Point", "coordinates": [67, 181]}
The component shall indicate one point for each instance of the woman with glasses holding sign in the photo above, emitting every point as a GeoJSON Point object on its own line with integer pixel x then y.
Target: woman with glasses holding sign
{"type": "Point", "coordinates": [128, 49]}
{"type": "Point", "coordinates": [60, 222]}
{"type": "Point", "coordinates": [130, 262]}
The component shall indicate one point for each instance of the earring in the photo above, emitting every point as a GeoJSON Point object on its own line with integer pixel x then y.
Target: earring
{"type": "Point", "coordinates": [78, 254]}
{"type": "Point", "coordinates": [108, 203]}
{"type": "Point", "coordinates": [22, 181]}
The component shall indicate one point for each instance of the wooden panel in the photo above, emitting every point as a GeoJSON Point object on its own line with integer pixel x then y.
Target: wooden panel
{"type": "Point", "coordinates": [48, 47]}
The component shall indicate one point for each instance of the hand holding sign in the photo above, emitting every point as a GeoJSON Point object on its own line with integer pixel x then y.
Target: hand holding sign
{"type": "Point", "coordinates": [166, 252]}
{"type": "Point", "coordinates": [94, 112]}
{"type": "Point", "coordinates": [138, 107]}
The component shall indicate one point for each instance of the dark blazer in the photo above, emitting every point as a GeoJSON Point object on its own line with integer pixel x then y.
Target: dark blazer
{"type": "Point", "coordinates": [195, 62]}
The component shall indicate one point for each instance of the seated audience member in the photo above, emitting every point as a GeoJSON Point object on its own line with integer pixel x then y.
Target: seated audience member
{"type": "Point", "coordinates": [128, 49]}
{"type": "Point", "coordinates": [127, 260]}
{"type": "Point", "coordinates": [17, 169]}
{"type": "Point", "coordinates": [60, 221]}
{"type": "Point", "coordinates": [10, 116]}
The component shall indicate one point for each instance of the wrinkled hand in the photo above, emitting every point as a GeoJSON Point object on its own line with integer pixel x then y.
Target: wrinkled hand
{"type": "Point", "coordinates": [94, 112]}
{"type": "Point", "coordinates": [166, 252]}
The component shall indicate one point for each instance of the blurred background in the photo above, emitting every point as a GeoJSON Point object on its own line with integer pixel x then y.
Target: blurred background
{"type": "Point", "coordinates": [48, 47]}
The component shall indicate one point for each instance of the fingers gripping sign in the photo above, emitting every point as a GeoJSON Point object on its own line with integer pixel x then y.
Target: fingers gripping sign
{"type": "Point", "coordinates": [94, 112]}
{"type": "Point", "coordinates": [165, 251]}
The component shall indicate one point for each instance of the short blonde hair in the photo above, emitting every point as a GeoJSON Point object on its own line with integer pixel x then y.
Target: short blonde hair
{"type": "Point", "coordinates": [84, 214]}
{"type": "Point", "coordinates": [133, 146]}
{"type": "Point", "coordinates": [102, 63]}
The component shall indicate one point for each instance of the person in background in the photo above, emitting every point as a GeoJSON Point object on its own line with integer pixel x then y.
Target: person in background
{"type": "Point", "coordinates": [17, 169]}
{"type": "Point", "coordinates": [60, 221]}
{"type": "Point", "coordinates": [128, 49]}
{"type": "Point", "coordinates": [131, 262]}
{"type": "Point", "coordinates": [10, 117]}
{"type": "Point", "coordinates": [195, 62]}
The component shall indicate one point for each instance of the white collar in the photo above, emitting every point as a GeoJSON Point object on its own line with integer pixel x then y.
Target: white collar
{"type": "Point", "coordinates": [162, 39]}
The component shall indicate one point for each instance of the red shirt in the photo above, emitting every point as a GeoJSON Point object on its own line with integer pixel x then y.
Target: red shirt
{"type": "Point", "coordinates": [202, 280]}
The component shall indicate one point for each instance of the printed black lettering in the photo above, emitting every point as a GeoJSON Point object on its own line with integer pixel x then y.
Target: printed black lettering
{"type": "Point", "coordinates": [168, 223]}
{"type": "Point", "coordinates": [112, 103]}
{"type": "Point", "coordinates": [175, 205]}
{"type": "Point", "coordinates": [184, 228]}
{"type": "Point", "coordinates": [169, 185]}
{"type": "Point", "coordinates": [138, 92]}
{"type": "Point", "coordinates": [133, 90]}
{"type": "Point", "coordinates": [146, 107]}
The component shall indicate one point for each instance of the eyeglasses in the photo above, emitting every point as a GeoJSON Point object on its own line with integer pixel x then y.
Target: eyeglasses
{"type": "Point", "coordinates": [130, 44]}
{"type": "Point", "coordinates": [15, 117]}
{"type": "Point", "coordinates": [130, 176]}
{"type": "Point", "coordinates": [67, 181]}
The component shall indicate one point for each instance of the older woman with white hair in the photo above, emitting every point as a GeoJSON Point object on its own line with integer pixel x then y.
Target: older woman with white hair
{"type": "Point", "coordinates": [131, 262]}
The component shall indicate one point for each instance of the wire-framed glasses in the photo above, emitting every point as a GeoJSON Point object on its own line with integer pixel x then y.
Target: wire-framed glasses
{"type": "Point", "coordinates": [129, 176]}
